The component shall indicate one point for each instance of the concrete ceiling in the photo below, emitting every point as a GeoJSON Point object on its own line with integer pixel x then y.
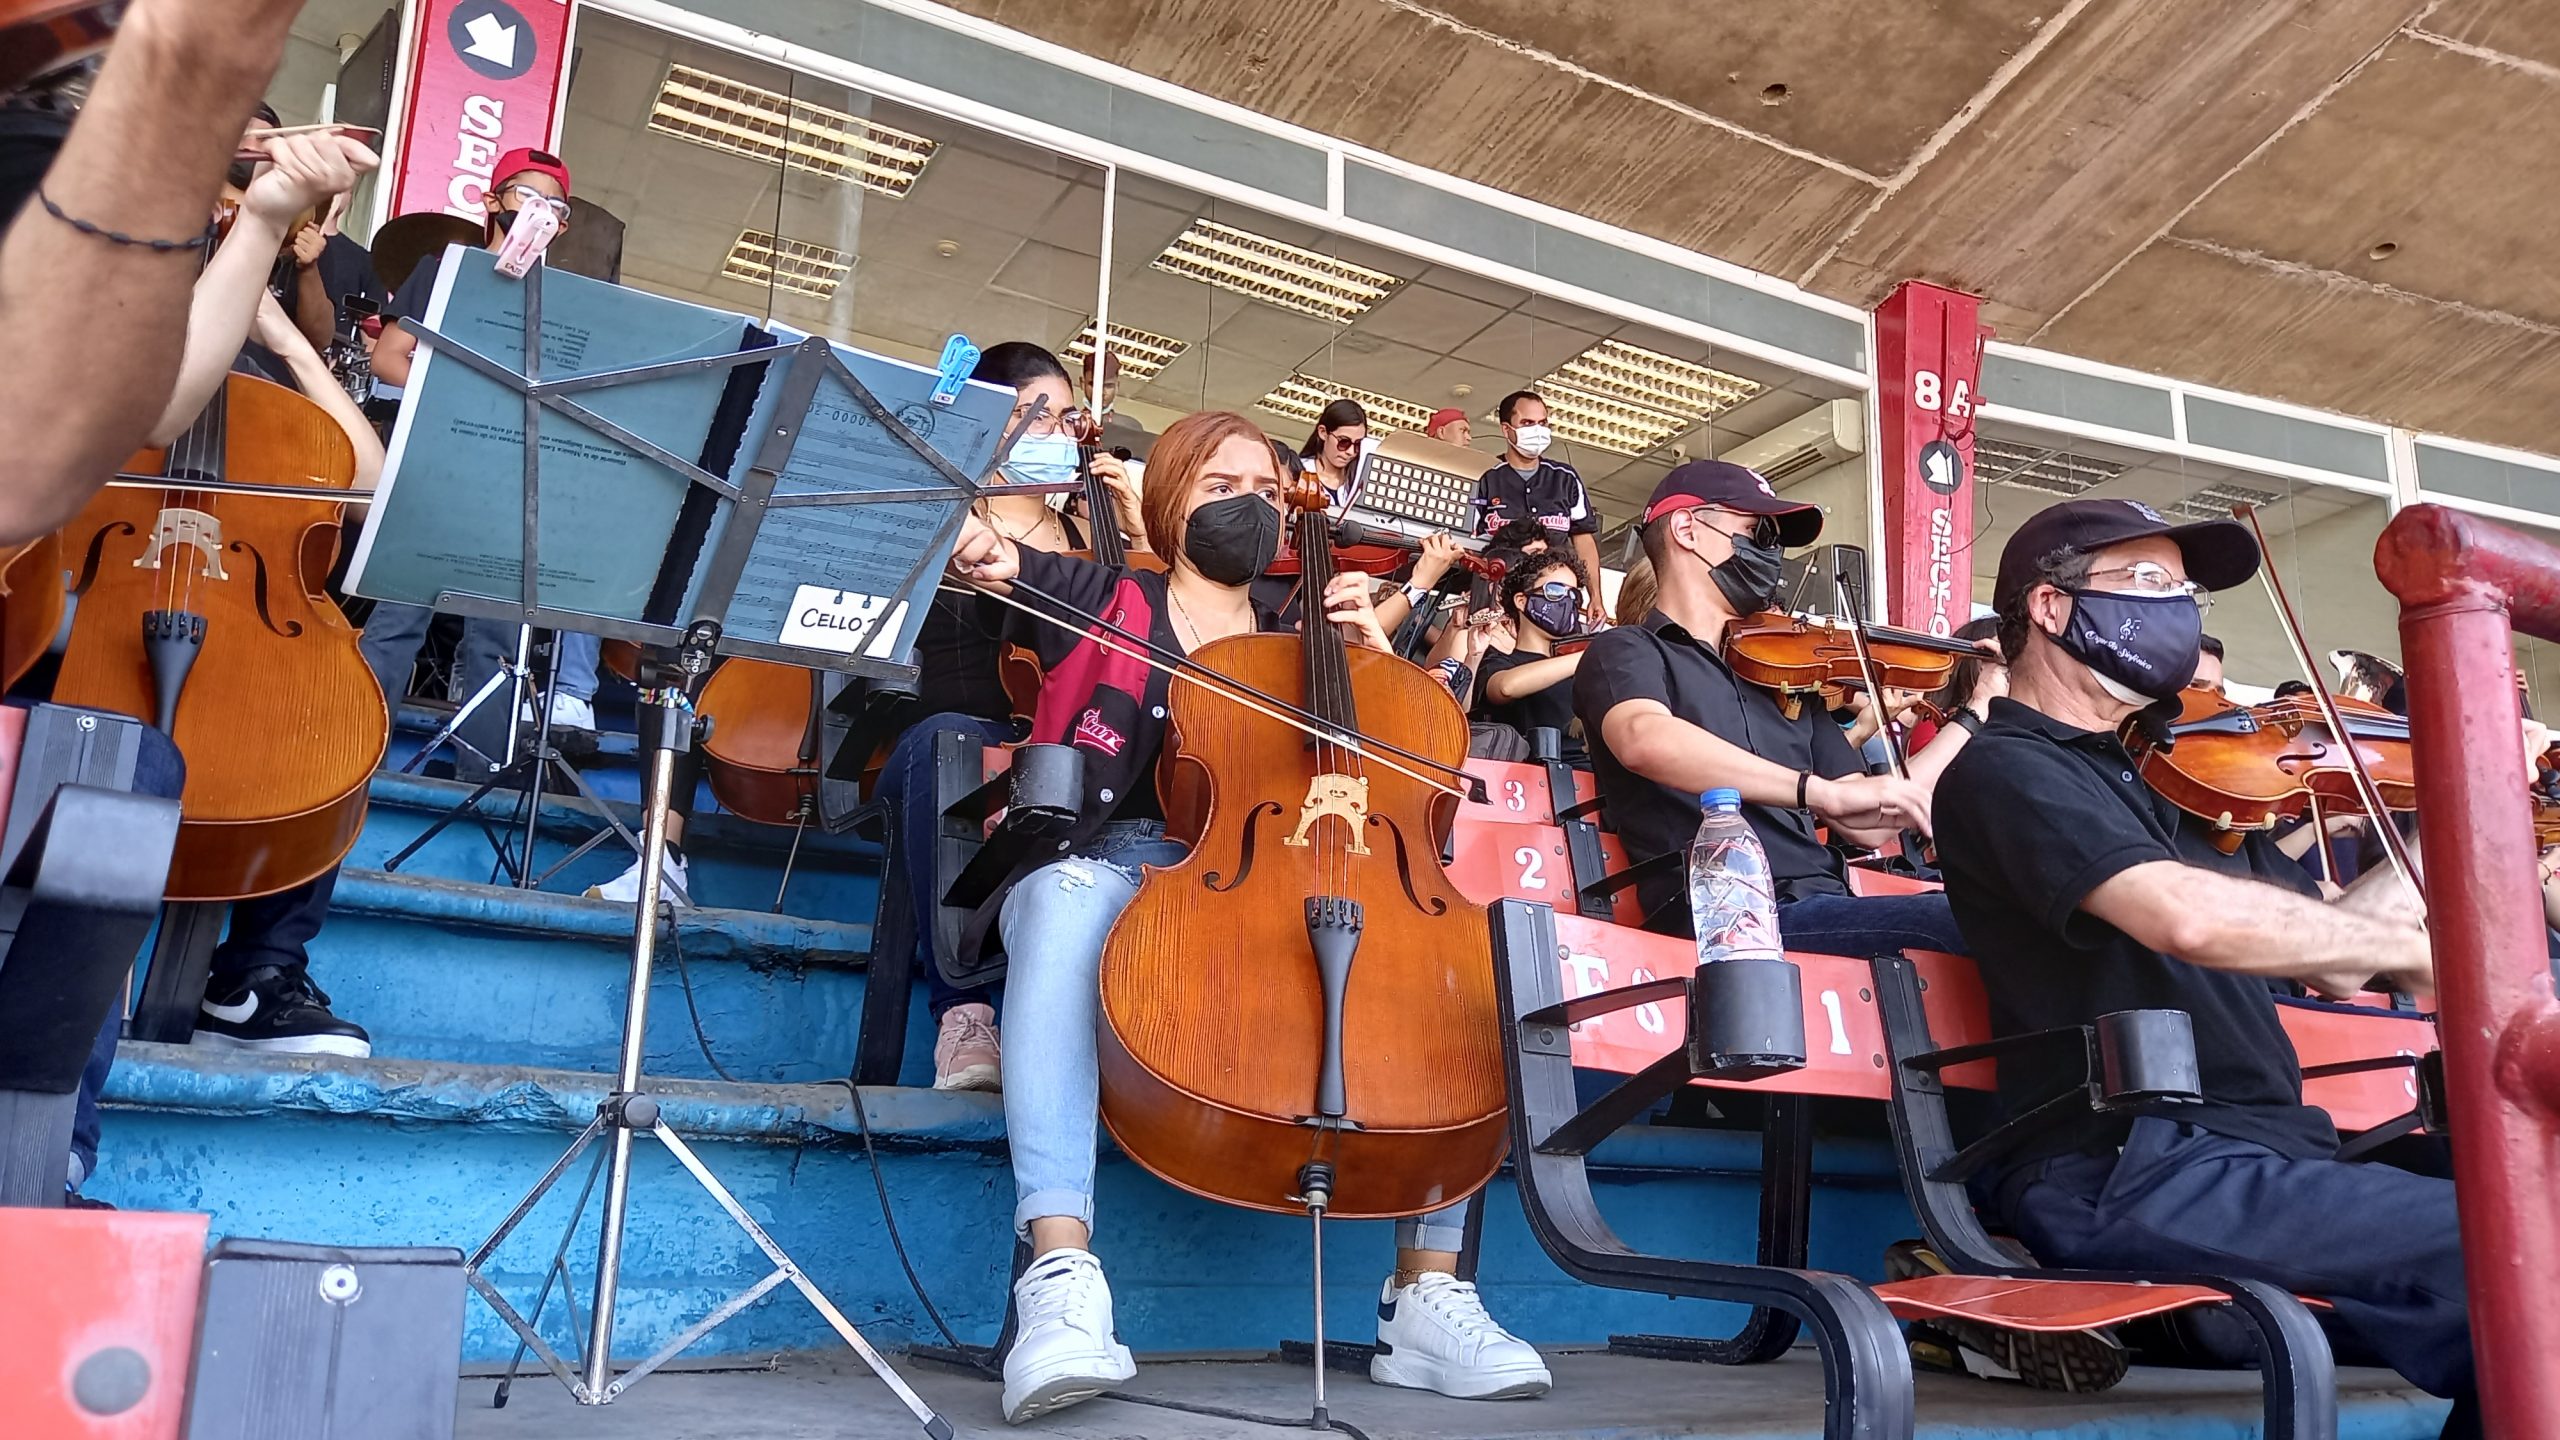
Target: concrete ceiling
{"type": "Point", "coordinates": [2328, 201]}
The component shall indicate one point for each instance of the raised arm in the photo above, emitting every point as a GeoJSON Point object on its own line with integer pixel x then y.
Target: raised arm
{"type": "Point", "coordinates": [94, 328]}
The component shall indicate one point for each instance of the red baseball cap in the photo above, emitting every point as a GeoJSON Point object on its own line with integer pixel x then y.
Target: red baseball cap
{"type": "Point", "coordinates": [1442, 417]}
{"type": "Point", "coordinates": [525, 160]}
{"type": "Point", "coordinates": [1734, 487]}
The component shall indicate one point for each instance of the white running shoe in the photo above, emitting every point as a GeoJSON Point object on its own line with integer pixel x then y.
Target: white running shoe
{"type": "Point", "coordinates": [625, 887]}
{"type": "Point", "coordinates": [1065, 1353]}
{"type": "Point", "coordinates": [568, 712]}
{"type": "Point", "coordinates": [1435, 1335]}
{"type": "Point", "coordinates": [965, 1053]}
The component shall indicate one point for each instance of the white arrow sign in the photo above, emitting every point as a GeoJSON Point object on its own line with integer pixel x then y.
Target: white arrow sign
{"type": "Point", "coordinates": [1940, 469]}
{"type": "Point", "coordinates": [491, 40]}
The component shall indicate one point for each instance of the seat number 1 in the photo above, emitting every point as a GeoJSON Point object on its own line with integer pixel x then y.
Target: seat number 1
{"type": "Point", "coordinates": [1839, 1023]}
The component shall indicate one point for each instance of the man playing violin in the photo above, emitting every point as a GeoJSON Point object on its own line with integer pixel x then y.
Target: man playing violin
{"type": "Point", "coordinates": [1667, 720]}
{"type": "Point", "coordinates": [1211, 509]}
{"type": "Point", "coordinates": [2080, 891]}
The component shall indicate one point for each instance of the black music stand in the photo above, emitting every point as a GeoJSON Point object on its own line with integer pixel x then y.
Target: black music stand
{"type": "Point", "coordinates": [629, 1112]}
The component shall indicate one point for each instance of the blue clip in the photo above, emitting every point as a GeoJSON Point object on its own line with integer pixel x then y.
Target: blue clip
{"type": "Point", "coordinates": [959, 360]}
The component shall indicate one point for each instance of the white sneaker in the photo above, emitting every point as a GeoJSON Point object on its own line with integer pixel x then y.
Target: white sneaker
{"type": "Point", "coordinates": [1065, 1352]}
{"type": "Point", "coordinates": [1434, 1335]}
{"type": "Point", "coordinates": [568, 712]}
{"type": "Point", "coordinates": [625, 887]}
{"type": "Point", "coordinates": [965, 1053]}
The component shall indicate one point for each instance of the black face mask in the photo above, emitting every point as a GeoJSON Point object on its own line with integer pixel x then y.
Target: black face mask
{"type": "Point", "coordinates": [500, 222]}
{"type": "Point", "coordinates": [1751, 577]}
{"type": "Point", "coordinates": [2142, 647]}
{"type": "Point", "coordinates": [1232, 540]}
{"type": "Point", "coordinates": [1561, 618]}
{"type": "Point", "coordinates": [241, 173]}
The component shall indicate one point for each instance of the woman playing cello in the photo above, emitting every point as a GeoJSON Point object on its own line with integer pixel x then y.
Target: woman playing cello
{"type": "Point", "coordinates": [1211, 508]}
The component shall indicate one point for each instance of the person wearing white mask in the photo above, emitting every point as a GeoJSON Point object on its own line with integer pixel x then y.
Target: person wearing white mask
{"type": "Point", "coordinates": [1529, 486]}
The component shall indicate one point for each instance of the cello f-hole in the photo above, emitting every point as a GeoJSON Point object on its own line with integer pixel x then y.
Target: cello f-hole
{"type": "Point", "coordinates": [1244, 849]}
{"type": "Point", "coordinates": [98, 544]}
{"type": "Point", "coordinates": [1404, 869]}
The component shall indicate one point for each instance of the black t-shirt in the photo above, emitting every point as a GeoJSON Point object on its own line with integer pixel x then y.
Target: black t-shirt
{"type": "Point", "coordinates": [1551, 707]}
{"type": "Point", "coordinates": [1552, 495]}
{"type": "Point", "coordinates": [2032, 816]}
{"type": "Point", "coordinates": [410, 303]}
{"type": "Point", "coordinates": [29, 139]}
{"type": "Point", "coordinates": [956, 663]}
{"type": "Point", "coordinates": [346, 268]}
{"type": "Point", "coordinates": [1658, 660]}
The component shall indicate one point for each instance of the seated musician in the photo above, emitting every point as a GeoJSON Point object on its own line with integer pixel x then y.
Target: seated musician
{"type": "Point", "coordinates": [1530, 687]}
{"type": "Point", "coordinates": [393, 633]}
{"type": "Point", "coordinates": [959, 689]}
{"type": "Point", "coordinates": [1666, 721]}
{"type": "Point", "coordinates": [1211, 508]}
{"type": "Point", "coordinates": [2080, 891]}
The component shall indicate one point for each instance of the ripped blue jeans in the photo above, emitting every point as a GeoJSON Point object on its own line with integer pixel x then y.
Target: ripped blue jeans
{"type": "Point", "coordinates": [1054, 923]}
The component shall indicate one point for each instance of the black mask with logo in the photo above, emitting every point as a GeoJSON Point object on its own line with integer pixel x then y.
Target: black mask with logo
{"type": "Point", "coordinates": [1232, 540]}
{"type": "Point", "coordinates": [2142, 647]}
{"type": "Point", "coordinates": [1561, 617]}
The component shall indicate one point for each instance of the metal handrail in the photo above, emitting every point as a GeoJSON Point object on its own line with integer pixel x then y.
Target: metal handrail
{"type": "Point", "coordinates": [2465, 588]}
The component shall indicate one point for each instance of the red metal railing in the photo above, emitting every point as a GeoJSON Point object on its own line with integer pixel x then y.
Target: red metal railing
{"type": "Point", "coordinates": [2465, 586]}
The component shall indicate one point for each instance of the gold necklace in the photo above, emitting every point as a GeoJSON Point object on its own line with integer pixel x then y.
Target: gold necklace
{"type": "Point", "coordinates": [1046, 514]}
{"type": "Point", "coordinates": [1183, 613]}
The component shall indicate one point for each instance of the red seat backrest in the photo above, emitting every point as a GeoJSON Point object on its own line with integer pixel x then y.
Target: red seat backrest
{"type": "Point", "coordinates": [2330, 1034]}
{"type": "Point", "coordinates": [1517, 793]}
{"type": "Point", "coordinates": [1492, 860]}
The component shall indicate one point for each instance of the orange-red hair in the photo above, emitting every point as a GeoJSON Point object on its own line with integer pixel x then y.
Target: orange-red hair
{"type": "Point", "coordinates": [1180, 454]}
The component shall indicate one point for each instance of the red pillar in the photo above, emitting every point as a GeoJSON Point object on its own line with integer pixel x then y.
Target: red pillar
{"type": "Point", "coordinates": [2465, 586]}
{"type": "Point", "coordinates": [484, 76]}
{"type": "Point", "coordinates": [1928, 385]}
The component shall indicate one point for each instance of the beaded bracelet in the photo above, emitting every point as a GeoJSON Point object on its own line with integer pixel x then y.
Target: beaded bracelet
{"type": "Point", "coordinates": [118, 237]}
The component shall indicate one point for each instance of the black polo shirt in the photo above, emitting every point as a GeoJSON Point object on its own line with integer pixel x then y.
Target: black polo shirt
{"type": "Point", "coordinates": [1658, 660]}
{"type": "Point", "coordinates": [1552, 495]}
{"type": "Point", "coordinates": [2032, 816]}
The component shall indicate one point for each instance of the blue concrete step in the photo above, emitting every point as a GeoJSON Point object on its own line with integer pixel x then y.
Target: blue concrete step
{"type": "Point", "coordinates": [733, 862]}
{"type": "Point", "coordinates": [459, 972]}
{"type": "Point", "coordinates": [394, 1151]}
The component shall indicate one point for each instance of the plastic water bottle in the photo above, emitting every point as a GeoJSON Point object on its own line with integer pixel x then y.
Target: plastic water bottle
{"type": "Point", "coordinates": [1731, 899]}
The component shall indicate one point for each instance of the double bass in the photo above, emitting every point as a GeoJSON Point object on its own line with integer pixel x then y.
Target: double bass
{"type": "Point", "coordinates": [206, 616]}
{"type": "Point", "coordinates": [1306, 985]}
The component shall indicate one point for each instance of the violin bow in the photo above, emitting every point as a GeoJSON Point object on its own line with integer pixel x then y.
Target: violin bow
{"type": "Point", "coordinates": [1885, 726]}
{"type": "Point", "coordinates": [2394, 846]}
{"type": "Point", "coordinates": [1270, 707]}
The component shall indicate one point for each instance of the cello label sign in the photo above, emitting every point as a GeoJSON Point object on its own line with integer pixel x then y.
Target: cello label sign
{"type": "Point", "coordinates": [484, 78]}
{"type": "Point", "coordinates": [1929, 365]}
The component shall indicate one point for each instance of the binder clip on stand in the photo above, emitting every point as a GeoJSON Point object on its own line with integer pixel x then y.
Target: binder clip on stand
{"type": "Point", "coordinates": [629, 1112]}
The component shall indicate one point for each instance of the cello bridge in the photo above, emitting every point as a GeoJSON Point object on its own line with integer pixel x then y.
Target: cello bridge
{"type": "Point", "coordinates": [178, 526]}
{"type": "Point", "coordinates": [1334, 794]}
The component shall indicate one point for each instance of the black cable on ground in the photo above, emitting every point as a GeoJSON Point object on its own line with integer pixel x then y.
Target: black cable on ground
{"type": "Point", "coordinates": [898, 1245]}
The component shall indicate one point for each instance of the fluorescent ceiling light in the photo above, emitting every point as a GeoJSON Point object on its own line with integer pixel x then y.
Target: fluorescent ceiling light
{"type": "Point", "coordinates": [2040, 468]}
{"type": "Point", "coordinates": [765, 125]}
{"type": "Point", "coordinates": [1303, 397]}
{"type": "Point", "coordinates": [1634, 375]}
{"type": "Point", "coordinates": [1140, 353]}
{"type": "Point", "coordinates": [1588, 419]}
{"type": "Point", "coordinates": [786, 264]}
{"type": "Point", "coordinates": [2216, 502]}
{"type": "Point", "coordinates": [1276, 274]}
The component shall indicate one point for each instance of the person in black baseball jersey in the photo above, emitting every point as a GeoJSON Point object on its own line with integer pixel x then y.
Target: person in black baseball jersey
{"type": "Point", "coordinates": [1529, 486]}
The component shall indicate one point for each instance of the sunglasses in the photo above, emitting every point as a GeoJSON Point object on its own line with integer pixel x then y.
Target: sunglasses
{"type": "Point", "coordinates": [1554, 590]}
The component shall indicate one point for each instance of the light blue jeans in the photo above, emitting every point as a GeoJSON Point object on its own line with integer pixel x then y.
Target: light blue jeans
{"type": "Point", "coordinates": [393, 633]}
{"type": "Point", "coordinates": [1054, 922]}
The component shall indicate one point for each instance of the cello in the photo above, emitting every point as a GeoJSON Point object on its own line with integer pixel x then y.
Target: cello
{"type": "Point", "coordinates": [208, 620]}
{"type": "Point", "coordinates": [1296, 1015]}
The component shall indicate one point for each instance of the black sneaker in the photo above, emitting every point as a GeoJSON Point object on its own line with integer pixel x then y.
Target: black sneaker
{"type": "Point", "coordinates": [276, 1008]}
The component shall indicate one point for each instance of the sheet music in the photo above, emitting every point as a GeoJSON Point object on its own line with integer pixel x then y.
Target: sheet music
{"type": "Point", "coordinates": [449, 513]}
{"type": "Point", "coordinates": [881, 561]}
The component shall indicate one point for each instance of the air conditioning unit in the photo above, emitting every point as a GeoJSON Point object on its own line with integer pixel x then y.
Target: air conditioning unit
{"type": "Point", "coordinates": [1823, 436]}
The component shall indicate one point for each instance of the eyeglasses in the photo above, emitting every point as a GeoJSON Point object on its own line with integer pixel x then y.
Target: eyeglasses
{"type": "Point", "coordinates": [526, 195]}
{"type": "Point", "coordinates": [2149, 578]}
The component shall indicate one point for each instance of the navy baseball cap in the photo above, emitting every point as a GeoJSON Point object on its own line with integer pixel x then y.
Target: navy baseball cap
{"type": "Point", "coordinates": [2219, 553]}
{"type": "Point", "coordinates": [1734, 487]}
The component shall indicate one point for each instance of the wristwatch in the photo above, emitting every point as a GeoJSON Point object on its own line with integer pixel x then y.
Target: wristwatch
{"type": "Point", "coordinates": [1964, 719]}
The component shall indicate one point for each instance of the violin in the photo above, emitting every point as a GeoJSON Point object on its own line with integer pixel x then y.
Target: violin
{"type": "Point", "coordinates": [1302, 990]}
{"type": "Point", "coordinates": [39, 36]}
{"type": "Point", "coordinates": [2246, 767]}
{"type": "Point", "coordinates": [1798, 657]}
